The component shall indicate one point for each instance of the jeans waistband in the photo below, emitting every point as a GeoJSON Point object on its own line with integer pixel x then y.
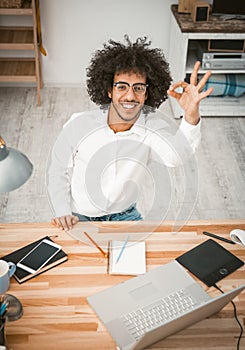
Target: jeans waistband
{"type": "Point", "coordinates": [123, 215]}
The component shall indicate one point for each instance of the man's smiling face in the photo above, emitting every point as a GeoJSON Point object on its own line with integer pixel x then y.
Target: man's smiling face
{"type": "Point", "coordinates": [128, 95]}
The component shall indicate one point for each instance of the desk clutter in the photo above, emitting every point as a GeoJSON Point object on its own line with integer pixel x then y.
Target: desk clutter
{"type": "Point", "coordinates": [57, 311]}
{"type": "Point", "coordinates": [124, 258]}
{"type": "Point", "coordinates": [10, 310]}
{"type": "Point", "coordinates": [22, 275]}
{"type": "Point", "coordinates": [125, 255]}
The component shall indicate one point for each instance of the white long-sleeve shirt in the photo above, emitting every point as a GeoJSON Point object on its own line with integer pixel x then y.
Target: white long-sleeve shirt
{"type": "Point", "coordinates": [94, 171]}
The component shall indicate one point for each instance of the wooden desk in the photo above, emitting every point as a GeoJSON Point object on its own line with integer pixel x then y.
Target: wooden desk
{"type": "Point", "coordinates": [57, 315]}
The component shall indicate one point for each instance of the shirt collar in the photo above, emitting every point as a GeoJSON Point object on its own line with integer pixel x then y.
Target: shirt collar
{"type": "Point", "coordinates": [138, 127]}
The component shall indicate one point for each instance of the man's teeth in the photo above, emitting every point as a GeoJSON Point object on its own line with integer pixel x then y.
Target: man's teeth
{"type": "Point", "coordinates": [128, 106]}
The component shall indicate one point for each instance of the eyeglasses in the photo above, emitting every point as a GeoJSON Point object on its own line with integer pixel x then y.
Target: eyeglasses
{"type": "Point", "coordinates": [138, 88]}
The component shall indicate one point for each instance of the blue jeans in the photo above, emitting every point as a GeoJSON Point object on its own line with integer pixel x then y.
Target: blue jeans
{"type": "Point", "coordinates": [130, 214]}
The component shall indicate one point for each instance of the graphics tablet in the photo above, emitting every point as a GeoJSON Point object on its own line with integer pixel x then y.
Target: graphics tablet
{"type": "Point", "coordinates": [210, 262]}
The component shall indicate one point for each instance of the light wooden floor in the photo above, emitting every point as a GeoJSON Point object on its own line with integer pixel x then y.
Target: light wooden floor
{"type": "Point", "coordinates": [32, 129]}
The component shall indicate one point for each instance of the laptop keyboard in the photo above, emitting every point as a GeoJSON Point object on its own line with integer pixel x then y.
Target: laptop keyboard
{"type": "Point", "coordinates": [147, 318]}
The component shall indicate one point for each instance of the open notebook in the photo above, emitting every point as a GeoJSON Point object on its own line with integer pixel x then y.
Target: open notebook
{"type": "Point", "coordinates": [126, 260]}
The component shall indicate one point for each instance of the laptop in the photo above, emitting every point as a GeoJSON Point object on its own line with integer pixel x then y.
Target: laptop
{"type": "Point", "coordinates": [152, 306]}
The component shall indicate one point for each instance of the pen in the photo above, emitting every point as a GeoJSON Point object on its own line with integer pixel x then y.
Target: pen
{"type": "Point", "coordinates": [218, 237]}
{"type": "Point", "coordinates": [3, 308]}
{"type": "Point", "coordinates": [122, 249]}
{"type": "Point", "coordinates": [95, 244]}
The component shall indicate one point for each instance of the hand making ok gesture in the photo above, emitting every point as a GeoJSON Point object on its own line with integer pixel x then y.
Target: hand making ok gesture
{"type": "Point", "coordinates": [191, 96]}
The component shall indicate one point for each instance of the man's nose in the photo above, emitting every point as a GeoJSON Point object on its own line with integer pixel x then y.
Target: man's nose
{"type": "Point", "coordinates": [130, 93]}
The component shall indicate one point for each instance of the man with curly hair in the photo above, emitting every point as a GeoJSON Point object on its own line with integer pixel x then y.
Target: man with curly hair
{"type": "Point", "coordinates": [97, 159]}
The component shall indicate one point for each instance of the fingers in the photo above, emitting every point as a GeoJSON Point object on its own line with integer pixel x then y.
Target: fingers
{"type": "Point", "coordinates": [194, 74]}
{"type": "Point", "coordinates": [206, 93]}
{"type": "Point", "coordinates": [172, 90]}
{"type": "Point", "coordinates": [65, 222]}
{"type": "Point", "coordinates": [203, 81]}
{"type": "Point", "coordinates": [179, 84]}
{"type": "Point", "coordinates": [74, 220]}
{"type": "Point", "coordinates": [193, 81]}
{"type": "Point", "coordinates": [192, 90]}
{"type": "Point", "coordinates": [194, 77]}
{"type": "Point", "coordinates": [174, 94]}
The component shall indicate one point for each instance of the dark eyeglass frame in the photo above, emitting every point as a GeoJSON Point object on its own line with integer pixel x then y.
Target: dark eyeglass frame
{"type": "Point", "coordinates": [134, 86]}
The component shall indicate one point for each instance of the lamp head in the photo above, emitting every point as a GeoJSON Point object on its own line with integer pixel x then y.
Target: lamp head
{"type": "Point", "coordinates": [15, 168]}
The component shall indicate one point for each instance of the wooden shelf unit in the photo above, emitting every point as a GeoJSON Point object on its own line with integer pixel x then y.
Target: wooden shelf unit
{"type": "Point", "coordinates": [16, 38]}
{"type": "Point", "coordinates": [25, 10]}
{"type": "Point", "coordinates": [183, 32]}
{"type": "Point", "coordinates": [21, 38]}
{"type": "Point", "coordinates": [17, 70]}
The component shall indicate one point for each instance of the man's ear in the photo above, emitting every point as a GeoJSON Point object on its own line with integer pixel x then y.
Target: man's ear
{"type": "Point", "coordinates": [109, 93]}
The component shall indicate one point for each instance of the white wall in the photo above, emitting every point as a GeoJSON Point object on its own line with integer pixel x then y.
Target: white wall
{"type": "Point", "coordinates": [72, 30]}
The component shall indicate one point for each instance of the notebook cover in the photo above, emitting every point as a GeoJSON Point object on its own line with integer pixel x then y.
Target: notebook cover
{"type": "Point", "coordinates": [21, 275]}
{"type": "Point", "coordinates": [210, 262]}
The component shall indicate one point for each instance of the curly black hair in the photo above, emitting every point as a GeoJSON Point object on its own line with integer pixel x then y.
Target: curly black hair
{"type": "Point", "coordinates": [116, 58]}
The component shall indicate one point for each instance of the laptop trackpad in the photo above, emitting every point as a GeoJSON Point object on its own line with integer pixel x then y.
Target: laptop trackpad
{"type": "Point", "coordinates": [144, 291]}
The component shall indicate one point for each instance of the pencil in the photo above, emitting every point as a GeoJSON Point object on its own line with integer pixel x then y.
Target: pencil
{"type": "Point", "coordinates": [96, 245]}
{"type": "Point", "coordinates": [123, 247]}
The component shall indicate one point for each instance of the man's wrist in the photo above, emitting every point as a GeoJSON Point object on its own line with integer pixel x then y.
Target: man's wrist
{"type": "Point", "coordinates": [193, 120]}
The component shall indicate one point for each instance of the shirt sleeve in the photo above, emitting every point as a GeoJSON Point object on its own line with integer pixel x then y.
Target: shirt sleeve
{"type": "Point", "coordinates": [175, 148]}
{"type": "Point", "coordinates": [60, 166]}
{"type": "Point", "coordinates": [192, 133]}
